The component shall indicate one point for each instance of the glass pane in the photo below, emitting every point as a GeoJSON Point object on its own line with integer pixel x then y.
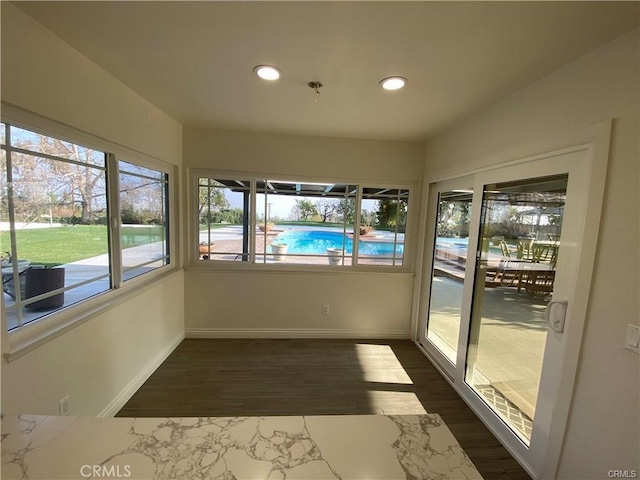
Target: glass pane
{"type": "Point", "coordinates": [519, 243]}
{"type": "Point", "coordinates": [4, 196]}
{"type": "Point", "coordinates": [223, 217]}
{"type": "Point", "coordinates": [447, 280]}
{"type": "Point", "coordinates": [305, 223]}
{"type": "Point", "coordinates": [39, 143]}
{"type": "Point", "coordinates": [144, 224]}
{"type": "Point", "coordinates": [138, 170]}
{"type": "Point", "coordinates": [383, 220]}
{"type": "Point", "coordinates": [3, 133]}
{"type": "Point", "coordinates": [61, 237]}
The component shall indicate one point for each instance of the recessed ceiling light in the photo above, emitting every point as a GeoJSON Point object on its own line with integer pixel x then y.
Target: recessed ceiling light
{"type": "Point", "coordinates": [393, 83]}
{"type": "Point", "coordinates": [267, 72]}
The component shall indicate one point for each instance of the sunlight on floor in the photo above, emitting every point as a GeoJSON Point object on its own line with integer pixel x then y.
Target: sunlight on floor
{"type": "Point", "coordinates": [403, 402]}
{"type": "Point", "coordinates": [389, 383]}
{"type": "Point", "coordinates": [381, 355]}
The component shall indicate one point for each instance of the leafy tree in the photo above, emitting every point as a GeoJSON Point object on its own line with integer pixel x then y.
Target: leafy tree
{"type": "Point", "coordinates": [304, 209]}
{"type": "Point", "coordinates": [368, 218]}
{"type": "Point", "coordinates": [453, 219]}
{"type": "Point", "coordinates": [391, 213]}
{"type": "Point", "coordinates": [347, 210]}
{"type": "Point", "coordinates": [232, 216]}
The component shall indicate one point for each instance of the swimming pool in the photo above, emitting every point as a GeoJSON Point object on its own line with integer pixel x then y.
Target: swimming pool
{"type": "Point", "coordinates": [316, 242]}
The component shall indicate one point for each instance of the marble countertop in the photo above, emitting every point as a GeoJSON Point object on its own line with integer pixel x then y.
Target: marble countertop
{"type": "Point", "coordinates": [390, 447]}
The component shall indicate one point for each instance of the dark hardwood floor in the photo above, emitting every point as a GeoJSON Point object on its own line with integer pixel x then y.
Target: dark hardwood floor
{"type": "Point", "coordinates": [213, 378]}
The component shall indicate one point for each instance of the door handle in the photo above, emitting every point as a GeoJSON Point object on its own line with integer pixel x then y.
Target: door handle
{"type": "Point", "coordinates": [555, 314]}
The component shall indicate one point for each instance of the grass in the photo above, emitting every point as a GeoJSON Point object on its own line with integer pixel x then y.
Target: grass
{"type": "Point", "coordinates": [59, 245]}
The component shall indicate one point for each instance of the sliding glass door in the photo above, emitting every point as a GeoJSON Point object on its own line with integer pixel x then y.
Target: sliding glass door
{"type": "Point", "coordinates": [504, 252]}
{"type": "Point", "coordinates": [453, 203]}
{"type": "Point", "coordinates": [520, 228]}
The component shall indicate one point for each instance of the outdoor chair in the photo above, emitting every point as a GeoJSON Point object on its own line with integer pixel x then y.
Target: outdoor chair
{"type": "Point", "coordinates": [9, 284]}
{"type": "Point", "coordinates": [505, 249]}
{"type": "Point", "coordinates": [539, 283]}
{"type": "Point", "coordinates": [525, 248]}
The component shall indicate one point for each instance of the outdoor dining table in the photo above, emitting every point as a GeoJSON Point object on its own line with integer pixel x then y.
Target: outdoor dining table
{"type": "Point", "coordinates": [521, 269]}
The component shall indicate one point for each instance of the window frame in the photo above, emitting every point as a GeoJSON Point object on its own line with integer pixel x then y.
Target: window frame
{"type": "Point", "coordinates": [194, 174]}
{"type": "Point", "coordinates": [164, 178]}
{"type": "Point", "coordinates": [29, 336]}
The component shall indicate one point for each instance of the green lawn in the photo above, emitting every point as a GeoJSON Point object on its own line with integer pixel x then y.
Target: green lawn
{"type": "Point", "coordinates": [58, 245]}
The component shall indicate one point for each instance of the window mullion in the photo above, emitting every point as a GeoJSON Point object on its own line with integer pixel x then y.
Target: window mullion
{"type": "Point", "coordinates": [252, 221]}
{"type": "Point", "coordinates": [395, 235]}
{"type": "Point", "coordinates": [12, 227]}
{"type": "Point", "coordinates": [113, 206]}
{"type": "Point", "coordinates": [356, 225]}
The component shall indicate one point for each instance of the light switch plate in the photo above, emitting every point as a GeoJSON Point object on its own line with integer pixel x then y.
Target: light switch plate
{"type": "Point", "coordinates": [632, 340]}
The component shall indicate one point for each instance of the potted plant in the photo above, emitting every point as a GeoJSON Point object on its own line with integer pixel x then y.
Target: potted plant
{"type": "Point", "coordinates": [334, 255]}
{"type": "Point", "coordinates": [367, 220]}
{"type": "Point", "coordinates": [266, 227]}
{"type": "Point", "coordinates": [279, 250]}
{"type": "Point", "coordinates": [205, 248]}
{"type": "Point", "coordinates": [43, 279]}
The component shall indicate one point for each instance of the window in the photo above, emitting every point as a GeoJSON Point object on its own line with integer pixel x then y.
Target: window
{"type": "Point", "coordinates": [55, 230]}
{"type": "Point", "coordinates": [297, 222]}
{"type": "Point", "coordinates": [223, 219]}
{"type": "Point", "coordinates": [384, 211]}
{"type": "Point", "coordinates": [144, 230]}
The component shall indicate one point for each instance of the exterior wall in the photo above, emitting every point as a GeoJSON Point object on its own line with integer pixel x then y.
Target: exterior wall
{"type": "Point", "coordinates": [283, 304]}
{"type": "Point", "coordinates": [603, 431]}
{"type": "Point", "coordinates": [102, 360]}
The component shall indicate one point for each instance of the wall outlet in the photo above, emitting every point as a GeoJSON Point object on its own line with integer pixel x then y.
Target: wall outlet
{"type": "Point", "coordinates": [632, 339]}
{"type": "Point", "coordinates": [325, 309]}
{"type": "Point", "coordinates": [64, 406]}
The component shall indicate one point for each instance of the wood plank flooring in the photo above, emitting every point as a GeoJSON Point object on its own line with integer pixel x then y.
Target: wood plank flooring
{"type": "Point", "coordinates": [233, 377]}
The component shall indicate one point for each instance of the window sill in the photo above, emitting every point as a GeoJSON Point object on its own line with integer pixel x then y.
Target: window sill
{"type": "Point", "coordinates": [300, 269]}
{"type": "Point", "coordinates": [29, 337]}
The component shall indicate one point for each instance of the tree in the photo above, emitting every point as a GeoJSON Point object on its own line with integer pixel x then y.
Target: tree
{"type": "Point", "coordinates": [42, 184]}
{"type": "Point", "coordinates": [391, 213]}
{"type": "Point", "coordinates": [368, 218]}
{"type": "Point", "coordinates": [326, 208]}
{"type": "Point", "coordinates": [304, 209]}
{"type": "Point", "coordinates": [211, 197]}
{"type": "Point", "coordinates": [347, 210]}
{"type": "Point", "coordinates": [453, 219]}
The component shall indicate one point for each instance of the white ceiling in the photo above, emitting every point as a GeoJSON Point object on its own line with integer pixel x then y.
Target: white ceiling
{"type": "Point", "coordinates": [194, 60]}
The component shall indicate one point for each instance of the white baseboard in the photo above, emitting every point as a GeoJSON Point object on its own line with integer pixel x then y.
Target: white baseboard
{"type": "Point", "coordinates": [295, 333]}
{"type": "Point", "coordinates": [132, 387]}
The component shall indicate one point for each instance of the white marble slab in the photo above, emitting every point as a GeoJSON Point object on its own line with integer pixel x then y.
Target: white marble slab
{"type": "Point", "coordinates": [391, 447]}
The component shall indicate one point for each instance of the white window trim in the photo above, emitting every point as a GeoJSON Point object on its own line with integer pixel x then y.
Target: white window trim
{"type": "Point", "coordinates": [193, 226]}
{"type": "Point", "coordinates": [24, 339]}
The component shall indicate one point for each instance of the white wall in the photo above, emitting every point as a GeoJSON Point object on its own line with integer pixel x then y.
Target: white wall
{"type": "Point", "coordinates": [253, 303]}
{"type": "Point", "coordinates": [97, 361]}
{"type": "Point", "coordinates": [603, 431]}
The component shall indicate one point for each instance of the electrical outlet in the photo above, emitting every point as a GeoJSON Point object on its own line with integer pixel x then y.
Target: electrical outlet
{"type": "Point", "coordinates": [64, 406]}
{"type": "Point", "coordinates": [325, 309]}
{"type": "Point", "coordinates": [632, 339]}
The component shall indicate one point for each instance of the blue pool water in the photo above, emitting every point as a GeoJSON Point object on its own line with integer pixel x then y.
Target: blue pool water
{"type": "Point", "coordinates": [316, 242]}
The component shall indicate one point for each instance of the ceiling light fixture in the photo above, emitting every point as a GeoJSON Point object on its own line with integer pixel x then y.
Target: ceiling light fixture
{"type": "Point", "coordinates": [316, 86]}
{"type": "Point", "coordinates": [393, 83]}
{"type": "Point", "coordinates": [267, 72]}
